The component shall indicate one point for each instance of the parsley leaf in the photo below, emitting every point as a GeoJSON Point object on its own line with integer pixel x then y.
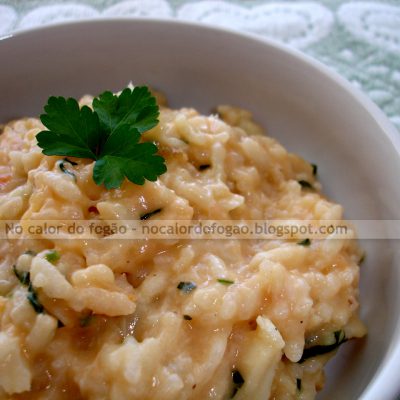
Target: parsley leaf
{"type": "Point", "coordinates": [136, 108]}
{"type": "Point", "coordinates": [124, 156]}
{"type": "Point", "coordinates": [225, 281]}
{"type": "Point", "coordinates": [304, 242]}
{"type": "Point", "coordinates": [72, 131]}
{"type": "Point", "coordinates": [317, 350]}
{"type": "Point", "coordinates": [34, 299]}
{"type": "Point", "coordinates": [314, 169]}
{"type": "Point", "coordinates": [52, 256]}
{"type": "Point", "coordinates": [25, 279]}
{"type": "Point", "coordinates": [109, 135]}
{"type": "Point", "coordinates": [85, 320]}
{"type": "Point", "coordinates": [148, 215]}
{"type": "Point", "coordinates": [64, 169]}
{"type": "Point", "coordinates": [22, 276]}
{"type": "Point", "coordinates": [238, 382]}
{"type": "Point", "coordinates": [305, 185]}
{"type": "Point", "coordinates": [186, 287]}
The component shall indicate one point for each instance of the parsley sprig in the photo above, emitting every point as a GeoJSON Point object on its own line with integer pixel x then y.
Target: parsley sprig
{"type": "Point", "coordinates": [109, 134]}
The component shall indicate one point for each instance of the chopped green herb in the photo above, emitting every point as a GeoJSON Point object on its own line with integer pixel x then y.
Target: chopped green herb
{"type": "Point", "coordinates": [204, 166]}
{"type": "Point", "coordinates": [63, 168]}
{"type": "Point", "coordinates": [34, 300]}
{"type": "Point", "coordinates": [305, 185]}
{"type": "Point", "coordinates": [298, 384]}
{"type": "Point", "coordinates": [318, 350]}
{"type": "Point", "coordinates": [186, 287]}
{"type": "Point", "coordinates": [314, 169]}
{"type": "Point", "coordinates": [60, 324]}
{"type": "Point", "coordinates": [225, 281]}
{"type": "Point", "coordinates": [52, 256]}
{"type": "Point", "coordinates": [85, 320]}
{"type": "Point", "coordinates": [304, 242]}
{"type": "Point", "coordinates": [237, 378]}
{"type": "Point", "coordinates": [187, 317]}
{"type": "Point", "coordinates": [70, 161]}
{"type": "Point", "coordinates": [23, 276]}
{"type": "Point", "coordinates": [238, 382]}
{"type": "Point", "coordinates": [109, 134]}
{"type": "Point", "coordinates": [150, 214]}
{"type": "Point", "coordinates": [340, 336]}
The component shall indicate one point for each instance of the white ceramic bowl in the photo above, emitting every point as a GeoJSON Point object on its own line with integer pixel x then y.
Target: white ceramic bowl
{"type": "Point", "coordinates": [308, 108]}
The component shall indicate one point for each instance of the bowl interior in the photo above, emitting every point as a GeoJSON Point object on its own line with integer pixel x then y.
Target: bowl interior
{"type": "Point", "coordinates": [308, 110]}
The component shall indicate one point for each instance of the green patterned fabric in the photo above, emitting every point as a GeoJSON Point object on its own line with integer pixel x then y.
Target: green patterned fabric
{"type": "Point", "coordinates": [359, 39]}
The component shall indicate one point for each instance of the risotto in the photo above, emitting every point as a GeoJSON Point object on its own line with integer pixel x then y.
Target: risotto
{"type": "Point", "coordinates": [171, 319]}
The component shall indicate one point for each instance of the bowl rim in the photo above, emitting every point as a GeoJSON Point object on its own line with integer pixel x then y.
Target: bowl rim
{"type": "Point", "coordinates": [383, 384]}
{"type": "Point", "coordinates": [357, 94]}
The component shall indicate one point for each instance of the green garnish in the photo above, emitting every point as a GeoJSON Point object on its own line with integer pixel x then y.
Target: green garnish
{"type": "Point", "coordinates": [150, 214]}
{"type": "Point", "coordinates": [305, 242]}
{"type": "Point", "coordinates": [225, 281]}
{"type": "Point", "coordinates": [63, 168]}
{"type": "Point", "coordinates": [23, 276]}
{"type": "Point", "coordinates": [305, 185]}
{"type": "Point", "coordinates": [318, 350]}
{"type": "Point", "coordinates": [298, 384]}
{"type": "Point", "coordinates": [85, 320]}
{"type": "Point", "coordinates": [109, 134]}
{"type": "Point", "coordinates": [314, 169]}
{"type": "Point", "coordinates": [34, 300]}
{"type": "Point", "coordinates": [187, 317]}
{"type": "Point", "coordinates": [25, 279]}
{"type": "Point", "coordinates": [52, 256]}
{"type": "Point", "coordinates": [186, 287]}
{"type": "Point", "coordinates": [67, 160]}
{"type": "Point", "coordinates": [60, 324]}
{"type": "Point", "coordinates": [238, 381]}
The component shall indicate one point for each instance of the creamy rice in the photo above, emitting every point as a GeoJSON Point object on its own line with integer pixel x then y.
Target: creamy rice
{"type": "Point", "coordinates": [115, 325]}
